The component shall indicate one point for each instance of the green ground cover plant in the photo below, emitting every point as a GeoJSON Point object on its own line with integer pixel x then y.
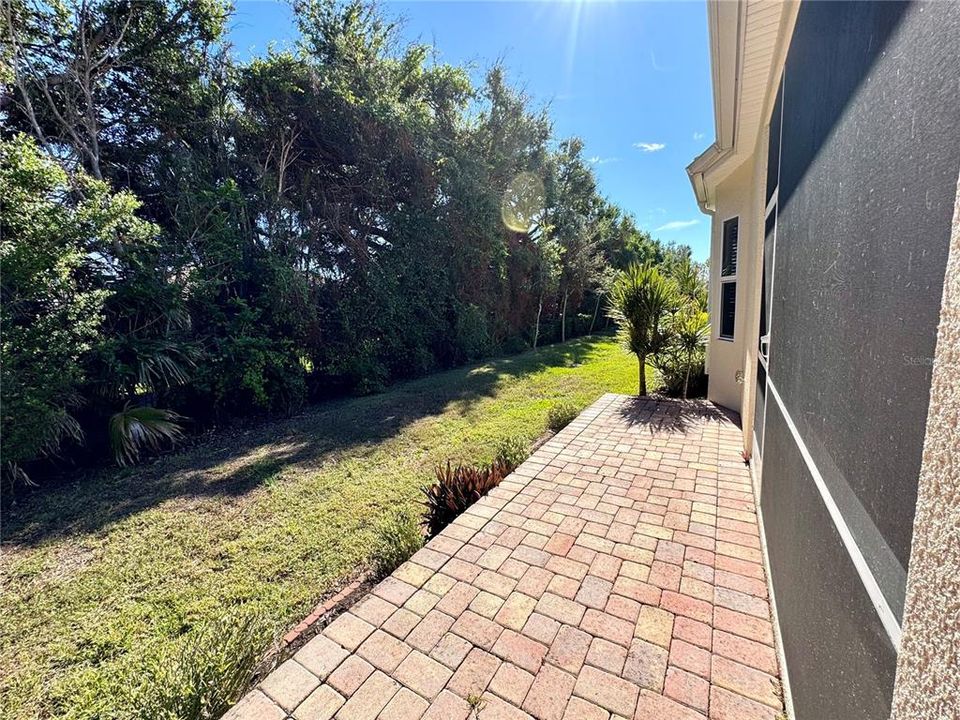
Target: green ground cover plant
{"type": "Point", "coordinates": [561, 414]}
{"type": "Point", "coordinates": [512, 450]}
{"type": "Point", "coordinates": [199, 678]}
{"type": "Point", "coordinates": [399, 537]}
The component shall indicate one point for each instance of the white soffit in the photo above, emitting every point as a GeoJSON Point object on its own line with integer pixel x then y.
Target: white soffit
{"type": "Point", "coordinates": [748, 43]}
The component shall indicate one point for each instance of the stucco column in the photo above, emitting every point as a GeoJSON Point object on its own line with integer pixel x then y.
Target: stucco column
{"type": "Point", "coordinates": [928, 667]}
{"type": "Point", "coordinates": [752, 263]}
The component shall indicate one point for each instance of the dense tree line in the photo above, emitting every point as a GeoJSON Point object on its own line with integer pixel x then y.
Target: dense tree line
{"type": "Point", "coordinates": [189, 236]}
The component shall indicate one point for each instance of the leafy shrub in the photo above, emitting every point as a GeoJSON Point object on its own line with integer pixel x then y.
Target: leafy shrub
{"type": "Point", "coordinates": [247, 373]}
{"type": "Point", "coordinates": [205, 677]}
{"type": "Point", "coordinates": [561, 415]}
{"type": "Point", "coordinates": [60, 268]}
{"type": "Point", "coordinates": [456, 489]}
{"type": "Point", "coordinates": [397, 539]}
{"type": "Point", "coordinates": [681, 364]}
{"type": "Point", "coordinates": [513, 344]}
{"type": "Point", "coordinates": [672, 373]}
{"type": "Point", "coordinates": [471, 333]}
{"type": "Point", "coordinates": [363, 368]}
{"type": "Point", "coordinates": [511, 451]}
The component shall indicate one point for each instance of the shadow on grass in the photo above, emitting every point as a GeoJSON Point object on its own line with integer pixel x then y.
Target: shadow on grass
{"type": "Point", "coordinates": [663, 414]}
{"type": "Point", "coordinates": [322, 434]}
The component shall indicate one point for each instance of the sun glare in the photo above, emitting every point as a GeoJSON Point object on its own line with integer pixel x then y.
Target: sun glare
{"type": "Point", "coordinates": [522, 201]}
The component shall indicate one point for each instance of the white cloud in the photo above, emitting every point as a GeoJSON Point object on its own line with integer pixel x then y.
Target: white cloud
{"type": "Point", "coordinates": [699, 136]}
{"type": "Point", "coordinates": [676, 225]}
{"type": "Point", "coordinates": [649, 147]}
{"type": "Point", "coordinates": [653, 62]}
{"type": "Point", "coordinates": [597, 160]}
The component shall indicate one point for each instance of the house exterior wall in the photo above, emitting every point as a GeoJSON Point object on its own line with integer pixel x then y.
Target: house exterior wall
{"type": "Point", "coordinates": [727, 356]}
{"type": "Point", "coordinates": [867, 181]}
{"type": "Point", "coordinates": [752, 264]}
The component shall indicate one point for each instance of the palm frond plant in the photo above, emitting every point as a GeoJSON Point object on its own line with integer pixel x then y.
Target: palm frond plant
{"type": "Point", "coordinates": [691, 282]}
{"type": "Point", "coordinates": [164, 363]}
{"type": "Point", "coordinates": [135, 428]}
{"type": "Point", "coordinates": [641, 302]}
{"type": "Point", "coordinates": [132, 373]}
{"type": "Point", "coordinates": [691, 329]}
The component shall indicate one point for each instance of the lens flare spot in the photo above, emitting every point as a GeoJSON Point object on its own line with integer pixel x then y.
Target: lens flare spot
{"type": "Point", "coordinates": [523, 201]}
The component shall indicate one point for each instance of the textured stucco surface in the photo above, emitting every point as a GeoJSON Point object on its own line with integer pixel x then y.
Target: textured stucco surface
{"type": "Point", "coordinates": [928, 669]}
{"type": "Point", "coordinates": [726, 357]}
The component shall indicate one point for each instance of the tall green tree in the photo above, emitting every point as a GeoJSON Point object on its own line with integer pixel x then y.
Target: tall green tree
{"type": "Point", "coordinates": [577, 226]}
{"type": "Point", "coordinates": [323, 219]}
{"type": "Point", "coordinates": [93, 79]}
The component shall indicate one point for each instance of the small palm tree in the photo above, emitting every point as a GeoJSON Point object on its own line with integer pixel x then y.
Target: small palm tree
{"type": "Point", "coordinates": [134, 371]}
{"type": "Point", "coordinates": [691, 329]}
{"type": "Point", "coordinates": [641, 302]}
{"type": "Point", "coordinates": [691, 282]}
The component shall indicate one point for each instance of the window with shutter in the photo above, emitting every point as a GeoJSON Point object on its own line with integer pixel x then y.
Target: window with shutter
{"type": "Point", "coordinates": [730, 242]}
{"type": "Point", "coordinates": [731, 232]}
{"type": "Point", "coordinates": [728, 309]}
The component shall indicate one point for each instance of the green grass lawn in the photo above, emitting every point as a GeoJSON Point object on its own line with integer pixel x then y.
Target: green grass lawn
{"type": "Point", "coordinates": [103, 572]}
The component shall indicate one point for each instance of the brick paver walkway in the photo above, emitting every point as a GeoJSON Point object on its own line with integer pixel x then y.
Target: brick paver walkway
{"type": "Point", "coordinates": [617, 573]}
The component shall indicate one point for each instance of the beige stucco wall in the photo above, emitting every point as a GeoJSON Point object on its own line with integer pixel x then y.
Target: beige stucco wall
{"type": "Point", "coordinates": [733, 198]}
{"type": "Point", "coordinates": [752, 263]}
{"type": "Point", "coordinates": [928, 667]}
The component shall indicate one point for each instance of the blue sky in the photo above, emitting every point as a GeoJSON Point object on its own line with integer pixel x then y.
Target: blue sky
{"type": "Point", "coordinates": [630, 78]}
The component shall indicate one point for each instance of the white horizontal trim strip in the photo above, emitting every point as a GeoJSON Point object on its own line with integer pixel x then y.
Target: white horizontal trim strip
{"type": "Point", "coordinates": [887, 617]}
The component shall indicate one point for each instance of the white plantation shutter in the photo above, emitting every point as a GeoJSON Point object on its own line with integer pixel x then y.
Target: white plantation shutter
{"type": "Point", "coordinates": [728, 277]}
{"type": "Point", "coordinates": [731, 237]}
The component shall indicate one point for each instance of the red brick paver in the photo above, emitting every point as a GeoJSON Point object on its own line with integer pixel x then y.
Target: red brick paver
{"type": "Point", "coordinates": [618, 572]}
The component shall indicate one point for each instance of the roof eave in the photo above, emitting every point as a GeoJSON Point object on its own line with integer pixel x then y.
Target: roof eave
{"type": "Point", "coordinates": [696, 171]}
{"type": "Point", "coordinates": [734, 27]}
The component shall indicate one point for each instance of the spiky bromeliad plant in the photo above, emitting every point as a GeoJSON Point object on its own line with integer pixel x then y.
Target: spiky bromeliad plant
{"type": "Point", "coordinates": [641, 302]}
{"type": "Point", "coordinates": [457, 488]}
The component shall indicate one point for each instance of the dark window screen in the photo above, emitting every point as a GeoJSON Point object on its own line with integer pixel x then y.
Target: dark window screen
{"type": "Point", "coordinates": [763, 310]}
{"type": "Point", "coordinates": [760, 406]}
{"type": "Point", "coordinates": [728, 308]}
{"type": "Point", "coordinates": [731, 237]}
{"type": "Point", "coordinates": [766, 273]}
{"type": "Point", "coordinates": [866, 194]}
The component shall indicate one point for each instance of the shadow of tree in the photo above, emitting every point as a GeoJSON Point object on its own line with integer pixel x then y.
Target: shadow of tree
{"type": "Point", "coordinates": [663, 414]}
{"type": "Point", "coordinates": [230, 463]}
